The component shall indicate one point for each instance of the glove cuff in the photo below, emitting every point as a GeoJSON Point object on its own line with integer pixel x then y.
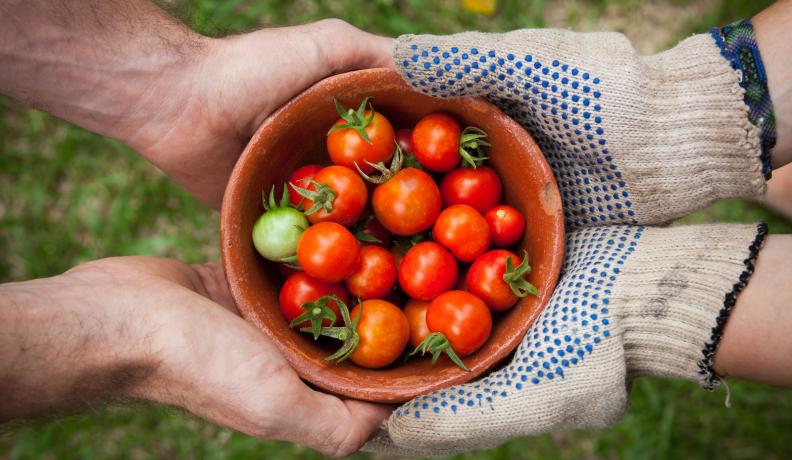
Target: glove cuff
{"type": "Point", "coordinates": [676, 296]}
{"type": "Point", "coordinates": [737, 43]}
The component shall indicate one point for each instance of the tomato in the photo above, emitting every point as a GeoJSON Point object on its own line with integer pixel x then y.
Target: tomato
{"type": "Point", "coordinates": [300, 288]}
{"type": "Point", "coordinates": [506, 225]}
{"type": "Point", "coordinates": [301, 177]}
{"type": "Point", "coordinates": [407, 203]}
{"type": "Point", "coordinates": [485, 279]}
{"type": "Point", "coordinates": [375, 274]}
{"type": "Point", "coordinates": [277, 231]}
{"type": "Point", "coordinates": [415, 311]}
{"type": "Point", "coordinates": [383, 331]}
{"type": "Point", "coordinates": [404, 139]}
{"type": "Point", "coordinates": [347, 146]}
{"type": "Point", "coordinates": [462, 318]}
{"type": "Point", "coordinates": [338, 195]}
{"type": "Point", "coordinates": [427, 270]}
{"type": "Point", "coordinates": [463, 231]}
{"type": "Point", "coordinates": [328, 252]}
{"type": "Point", "coordinates": [480, 188]}
{"type": "Point", "coordinates": [370, 230]}
{"type": "Point", "coordinates": [436, 142]}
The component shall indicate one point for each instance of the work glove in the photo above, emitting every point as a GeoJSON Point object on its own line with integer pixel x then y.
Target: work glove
{"type": "Point", "coordinates": [633, 141]}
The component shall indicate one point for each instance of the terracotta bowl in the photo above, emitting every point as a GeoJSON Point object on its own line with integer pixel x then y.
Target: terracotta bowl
{"type": "Point", "coordinates": [295, 135]}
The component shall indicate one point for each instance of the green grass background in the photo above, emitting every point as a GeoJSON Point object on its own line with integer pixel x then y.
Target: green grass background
{"type": "Point", "coordinates": [68, 196]}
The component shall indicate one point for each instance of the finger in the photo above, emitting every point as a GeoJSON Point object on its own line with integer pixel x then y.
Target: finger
{"type": "Point", "coordinates": [333, 426]}
{"type": "Point", "coordinates": [449, 66]}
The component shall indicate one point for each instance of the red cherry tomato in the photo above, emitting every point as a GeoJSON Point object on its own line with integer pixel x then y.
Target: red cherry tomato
{"type": "Point", "coordinates": [480, 188]}
{"type": "Point", "coordinates": [347, 147]}
{"type": "Point", "coordinates": [301, 288]}
{"type": "Point", "coordinates": [351, 196]}
{"type": "Point", "coordinates": [407, 203]}
{"type": "Point", "coordinates": [404, 139]}
{"type": "Point", "coordinates": [427, 270]}
{"type": "Point", "coordinates": [383, 331]}
{"type": "Point", "coordinates": [415, 311]}
{"type": "Point", "coordinates": [506, 225]}
{"type": "Point", "coordinates": [328, 252]}
{"type": "Point", "coordinates": [463, 231]}
{"type": "Point", "coordinates": [485, 279]}
{"type": "Point", "coordinates": [375, 274]}
{"type": "Point", "coordinates": [301, 177]}
{"type": "Point", "coordinates": [462, 318]}
{"type": "Point", "coordinates": [436, 142]}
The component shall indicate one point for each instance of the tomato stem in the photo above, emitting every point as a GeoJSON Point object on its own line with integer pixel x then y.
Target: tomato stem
{"type": "Point", "coordinates": [515, 277]}
{"type": "Point", "coordinates": [347, 333]}
{"type": "Point", "coordinates": [316, 312]}
{"type": "Point", "coordinates": [322, 197]}
{"type": "Point", "coordinates": [269, 203]}
{"type": "Point", "coordinates": [355, 119]}
{"type": "Point", "coordinates": [472, 143]}
{"type": "Point", "coordinates": [436, 344]}
{"type": "Point", "coordinates": [386, 172]}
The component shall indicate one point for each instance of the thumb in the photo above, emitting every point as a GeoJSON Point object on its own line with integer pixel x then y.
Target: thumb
{"type": "Point", "coordinates": [343, 48]}
{"type": "Point", "coordinates": [448, 66]}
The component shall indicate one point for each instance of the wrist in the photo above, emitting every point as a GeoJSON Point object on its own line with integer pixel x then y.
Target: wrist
{"type": "Point", "coordinates": [679, 288]}
{"type": "Point", "coordinates": [65, 345]}
{"type": "Point", "coordinates": [163, 92]}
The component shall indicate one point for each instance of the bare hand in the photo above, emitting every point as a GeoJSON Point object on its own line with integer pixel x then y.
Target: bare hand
{"type": "Point", "coordinates": [161, 330]}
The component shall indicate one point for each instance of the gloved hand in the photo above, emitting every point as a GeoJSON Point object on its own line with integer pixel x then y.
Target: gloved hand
{"type": "Point", "coordinates": [632, 301]}
{"type": "Point", "coordinates": [632, 140]}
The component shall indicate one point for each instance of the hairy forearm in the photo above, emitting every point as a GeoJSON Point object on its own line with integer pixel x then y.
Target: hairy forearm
{"type": "Point", "coordinates": [774, 35]}
{"type": "Point", "coordinates": [109, 66]}
{"type": "Point", "coordinates": [756, 343]}
{"type": "Point", "coordinates": [61, 349]}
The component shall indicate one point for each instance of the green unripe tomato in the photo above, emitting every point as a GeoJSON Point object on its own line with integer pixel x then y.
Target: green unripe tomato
{"type": "Point", "coordinates": [277, 231]}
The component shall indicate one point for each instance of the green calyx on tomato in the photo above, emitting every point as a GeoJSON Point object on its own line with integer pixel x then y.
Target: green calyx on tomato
{"type": "Point", "coordinates": [515, 277]}
{"type": "Point", "coordinates": [315, 313]}
{"type": "Point", "coordinates": [347, 333]}
{"type": "Point", "coordinates": [277, 231]}
{"type": "Point", "coordinates": [386, 172]}
{"type": "Point", "coordinates": [322, 197]}
{"type": "Point", "coordinates": [436, 344]}
{"type": "Point", "coordinates": [471, 146]}
{"type": "Point", "coordinates": [355, 119]}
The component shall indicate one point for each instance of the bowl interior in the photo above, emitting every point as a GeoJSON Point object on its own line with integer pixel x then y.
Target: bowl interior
{"type": "Point", "coordinates": [294, 136]}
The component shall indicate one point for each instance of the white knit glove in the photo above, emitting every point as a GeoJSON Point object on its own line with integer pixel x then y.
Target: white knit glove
{"type": "Point", "coordinates": [632, 301]}
{"type": "Point", "coordinates": [631, 140]}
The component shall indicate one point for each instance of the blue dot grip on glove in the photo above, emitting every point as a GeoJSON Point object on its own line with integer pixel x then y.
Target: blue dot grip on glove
{"type": "Point", "coordinates": [632, 301]}
{"type": "Point", "coordinates": [631, 139]}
